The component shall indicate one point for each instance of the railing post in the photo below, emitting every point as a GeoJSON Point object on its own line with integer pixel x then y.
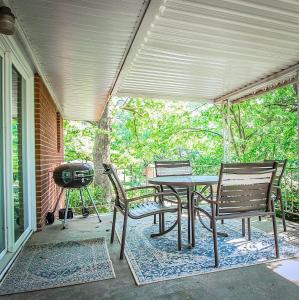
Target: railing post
{"type": "Point", "coordinates": [226, 131]}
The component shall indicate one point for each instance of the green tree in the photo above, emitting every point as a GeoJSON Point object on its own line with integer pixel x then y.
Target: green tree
{"type": "Point", "coordinates": [78, 140]}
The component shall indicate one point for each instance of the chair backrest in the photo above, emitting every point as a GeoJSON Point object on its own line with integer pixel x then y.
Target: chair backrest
{"type": "Point", "coordinates": [281, 167]}
{"type": "Point", "coordinates": [120, 194]}
{"type": "Point", "coordinates": [245, 187]}
{"type": "Point", "coordinates": [173, 168]}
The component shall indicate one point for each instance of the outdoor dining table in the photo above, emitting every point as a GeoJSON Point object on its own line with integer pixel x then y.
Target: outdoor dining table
{"type": "Point", "coordinates": [189, 182]}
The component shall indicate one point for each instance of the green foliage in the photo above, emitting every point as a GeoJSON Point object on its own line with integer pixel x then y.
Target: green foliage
{"type": "Point", "coordinates": [145, 130]}
{"type": "Point", "coordinates": [78, 140]}
{"type": "Point", "coordinates": [266, 127]}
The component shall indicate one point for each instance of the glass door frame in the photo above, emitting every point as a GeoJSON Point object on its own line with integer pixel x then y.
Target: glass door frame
{"type": "Point", "coordinates": [13, 57]}
{"type": "Point", "coordinates": [2, 155]}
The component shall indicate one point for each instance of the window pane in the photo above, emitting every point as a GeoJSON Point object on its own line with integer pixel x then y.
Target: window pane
{"type": "Point", "coordinates": [2, 213]}
{"type": "Point", "coordinates": [17, 124]}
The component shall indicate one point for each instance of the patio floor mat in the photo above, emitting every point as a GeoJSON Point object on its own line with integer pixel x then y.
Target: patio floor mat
{"type": "Point", "coordinates": [157, 259]}
{"type": "Point", "coordinates": [58, 264]}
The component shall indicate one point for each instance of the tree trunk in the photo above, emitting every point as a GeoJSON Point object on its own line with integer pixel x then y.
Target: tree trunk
{"type": "Point", "coordinates": [101, 152]}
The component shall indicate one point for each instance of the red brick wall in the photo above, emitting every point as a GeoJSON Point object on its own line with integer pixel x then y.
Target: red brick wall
{"type": "Point", "coordinates": [48, 149]}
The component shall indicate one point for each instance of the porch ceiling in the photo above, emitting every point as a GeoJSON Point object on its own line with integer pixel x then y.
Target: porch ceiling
{"type": "Point", "coordinates": [200, 50]}
{"type": "Point", "coordinates": [79, 46]}
{"type": "Point", "coordinates": [204, 49]}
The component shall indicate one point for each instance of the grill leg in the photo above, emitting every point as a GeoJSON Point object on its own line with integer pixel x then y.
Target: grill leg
{"type": "Point", "coordinates": [57, 202]}
{"type": "Point", "coordinates": [94, 205]}
{"type": "Point", "coordinates": [67, 208]}
{"type": "Point", "coordinates": [82, 198]}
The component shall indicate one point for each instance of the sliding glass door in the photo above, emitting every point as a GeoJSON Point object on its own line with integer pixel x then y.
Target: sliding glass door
{"type": "Point", "coordinates": [17, 168]}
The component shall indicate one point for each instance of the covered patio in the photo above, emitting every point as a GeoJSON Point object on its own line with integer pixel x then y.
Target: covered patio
{"type": "Point", "coordinates": [67, 60]}
{"type": "Point", "coordinates": [276, 280]}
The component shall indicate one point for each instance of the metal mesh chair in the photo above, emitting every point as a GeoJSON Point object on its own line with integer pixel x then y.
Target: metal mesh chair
{"type": "Point", "coordinates": [144, 209]}
{"type": "Point", "coordinates": [243, 191]}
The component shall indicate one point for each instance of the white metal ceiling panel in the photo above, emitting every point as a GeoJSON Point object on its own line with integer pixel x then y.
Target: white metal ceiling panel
{"type": "Point", "coordinates": [202, 49]}
{"type": "Point", "coordinates": [80, 46]}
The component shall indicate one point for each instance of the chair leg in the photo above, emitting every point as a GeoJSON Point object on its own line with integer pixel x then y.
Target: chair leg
{"type": "Point", "coordinates": [214, 225]}
{"type": "Point", "coordinates": [179, 230]}
{"type": "Point", "coordinates": [211, 223]}
{"type": "Point", "coordinates": [160, 223]}
{"type": "Point", "coordinates": [260, 218]}
{"type": "Point", "coordinates": [155, 219]}
{"type": "Point", "coordinates": [279, 196]}
{"type": "Point", "coordinates": [189, 223]}
{"type": "Point", "coordinates": [243, 227]}
{"type": "Point", "coordinates": [249, 229]}
{"type": "Point", "coordinates": [275, 236]}
{"type": "Point", "coordinates": [113, 225]}
{"type": "Point", "coordinates": [123, 239]}
{"type": "Point", "coordinates": [215, 243]}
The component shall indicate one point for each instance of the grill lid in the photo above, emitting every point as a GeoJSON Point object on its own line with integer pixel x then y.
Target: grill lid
{"type": "Point", "coordinates": [73, 175]}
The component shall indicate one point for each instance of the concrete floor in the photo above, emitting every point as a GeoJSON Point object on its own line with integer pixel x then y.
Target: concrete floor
{"type": "Point", "coordinates": [254, 282]}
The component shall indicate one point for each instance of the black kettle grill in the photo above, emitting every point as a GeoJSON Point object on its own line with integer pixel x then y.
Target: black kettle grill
{"type": "Point", "coordinates": [72, 176]}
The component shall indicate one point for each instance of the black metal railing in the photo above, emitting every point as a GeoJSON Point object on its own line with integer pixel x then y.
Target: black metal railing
{"type": "Point", "coordinates": [290, 190]}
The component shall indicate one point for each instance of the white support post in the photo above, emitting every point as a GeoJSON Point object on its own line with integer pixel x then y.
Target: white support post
{"type": "Point", "coordinates": [226, 132]}
{"type": "Point", "coordinates": [297, 88]}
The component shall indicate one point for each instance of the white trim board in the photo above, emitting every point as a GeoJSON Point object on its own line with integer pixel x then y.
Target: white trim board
{"type": "Point", "coordinates": [14, 56]}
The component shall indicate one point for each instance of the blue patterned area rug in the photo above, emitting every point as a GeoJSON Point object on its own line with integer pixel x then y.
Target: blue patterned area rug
{"type": "Point", "coordinates": [59, 264]}
{"type": "Point", "coordinates": [157, 259]}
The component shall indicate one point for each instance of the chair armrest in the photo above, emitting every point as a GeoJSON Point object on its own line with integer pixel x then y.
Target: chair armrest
{"type": "Point", "coordinates": [143, 188]}
{"type": "Point", "coordinates": [157, 195]}
{"type": "Point", "coordinates": [202, 197]}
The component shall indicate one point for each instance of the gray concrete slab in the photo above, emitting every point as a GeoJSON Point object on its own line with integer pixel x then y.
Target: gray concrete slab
{"type": "Point", "coordinates": [254, 282]}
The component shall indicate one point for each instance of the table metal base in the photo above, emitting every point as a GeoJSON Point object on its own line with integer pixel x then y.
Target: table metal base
{"type": "Point", "coordinates": [165, 231]}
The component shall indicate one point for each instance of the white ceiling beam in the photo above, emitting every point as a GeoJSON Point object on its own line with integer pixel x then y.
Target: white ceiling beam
{"type": "Point", "coordinates": [153, 11]}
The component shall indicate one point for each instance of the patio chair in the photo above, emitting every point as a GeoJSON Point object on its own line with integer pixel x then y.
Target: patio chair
{"type": "Point", "coordinates": [122, 203]}
{"type": "Point", "coordinates": [277, 194]}
{"type": "Point", "coordinates": [173, 168]}
{"type": "Point", "coordinates": [176, 168]}
{"type": "Point", "coordinates": [243, 191]}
